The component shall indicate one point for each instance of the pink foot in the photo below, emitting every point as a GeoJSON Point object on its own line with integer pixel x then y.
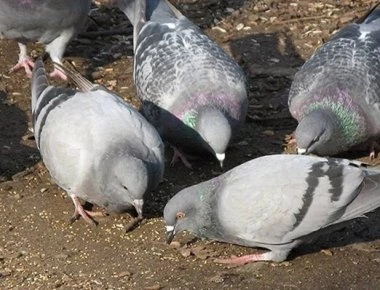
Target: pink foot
{"type": "Point", "coordinates": [27, 64]}
{"type": "Point", "coordinates": [373, 147]}
{"type": "Point", "coordinates": [56, 73]}
{"type": "Point", "coordinates": [179, 155]}
{"type": "Point", "coordinates": [245, 259]}
{"type": "Point", "coordinates": [81, 212]}
{"type": "Point", "coordinates": [290, 139]}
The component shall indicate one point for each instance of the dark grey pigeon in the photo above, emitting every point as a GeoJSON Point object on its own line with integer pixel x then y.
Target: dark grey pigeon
{"type": "Point", "coordinates": [274, 202]}
{"type": "Point", "coordinates": [96, 146]}
{"type": "Point", "coordinates": [51, 22]}
{"type": "Point", "coordinates": [192, 91]}
{"type": "Point", "coordinates": [336, 95]}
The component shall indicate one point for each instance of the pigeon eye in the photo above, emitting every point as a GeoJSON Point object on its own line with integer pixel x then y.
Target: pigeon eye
{"type": "Point", "coordinates": [180, 215]}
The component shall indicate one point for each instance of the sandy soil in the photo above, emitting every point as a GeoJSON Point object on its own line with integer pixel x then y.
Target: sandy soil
{"type": "Point", "coordinates": [39, 249]}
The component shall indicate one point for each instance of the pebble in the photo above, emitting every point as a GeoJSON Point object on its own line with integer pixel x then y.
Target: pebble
{"type": "Point", "coordinates": [61, 256]}
{"type": "Point", "coordinates": [268, 132]}
{"type": "Point", "coordinates": [175, 245]}
{"type": "Point", "coordinates": [185, 252]}
{"type": "Point", "coordinates": [97, 74]}
{"type": "Point", "coordinates": [124, 274]}
{"type": "Point", "coordinates": [327, 252]}
{"type": "Point", "coordinates": [217, 28]}
{"type": "Point", "coordinates": [17, 196]}
{"type": "Point", "coordinates": [240, 26]}
{"type": "Point", "coordinates": [154, 287]}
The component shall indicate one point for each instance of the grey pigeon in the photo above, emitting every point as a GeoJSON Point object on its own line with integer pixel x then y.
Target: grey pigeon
{"type": "Point", "coordinates": [96, 146]}
{"type": "Point", "coordinates": [51, 22]}
{"type": "Point", "coordinates": [336, 95]}
{"type": "Point", "coordinates": [274, 202]}
{"type": "Point", "coordinates": [192, 91]}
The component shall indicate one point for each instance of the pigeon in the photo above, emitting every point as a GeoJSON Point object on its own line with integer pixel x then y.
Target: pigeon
{"type": "Point", "coordinates": [191, 90]}
{"type": "Point", "coordinates": [335, 96]}
{"type": "Point", "coordinates": [274, 202]}
{"type": "Point", "coordinates": [96, 146]}
{"type": "Point", "coordinates": [50, 22]}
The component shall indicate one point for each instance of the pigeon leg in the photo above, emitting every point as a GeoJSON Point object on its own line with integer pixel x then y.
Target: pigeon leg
{"type": "Point", "coordinates": [290, 139]}
{"type": "Point", "coordinates": [179, 155]}
{"type": "Point", "coordinates": [58, 74]}
{"type": "Point", "coordinates": [56, 49]}
{"type": "Point", "coordinates": [245, 259]}
{"type": "Point", "coordinates": [80, 211]}
{"type": "Point", "coordinates": [373, 147]}
{"type": "Point", "coordinates": [23, 61]}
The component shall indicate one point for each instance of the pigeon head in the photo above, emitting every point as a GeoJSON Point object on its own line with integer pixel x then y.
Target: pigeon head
{"type": "Point", "coordinates": [191, 209]}
{"type": "Point", "coordinates": [317, 133]}
{"type": "Point", "coordinates": [180, 213]}
{"type": "Point", "coordinates": [130, 179]}
{"type": "Point", "coordinates": [215, 129]}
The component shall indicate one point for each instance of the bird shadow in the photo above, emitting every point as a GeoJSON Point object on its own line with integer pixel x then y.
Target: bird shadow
{"type": "Point", "coordinates": [208, 12]}
{"type": "Point", "coordinates": [109, 36]}
{"type": "Point", "coordinates": [191, 140]}
{"type": "Point", "coordinates": [268, 84]}
{"type": "Point", "coordinates": [15, 155]}
{"type": "Point", "coordinates": [270, 61]}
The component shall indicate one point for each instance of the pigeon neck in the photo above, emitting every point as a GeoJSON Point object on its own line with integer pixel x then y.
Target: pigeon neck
{"type": "Point", "coordinates": [346, 115]}
{"type": "Point", "coordinates": [207, 220]}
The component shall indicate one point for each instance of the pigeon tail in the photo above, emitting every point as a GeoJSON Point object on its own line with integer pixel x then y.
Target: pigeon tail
{"type": "Point", "coordinates": [139, 12]}
{"type": "Point", "coordinates": [367, 200]}
{"type": "Point", "coordinates": [128, 8]}
{"type": "Point", "coordinates": [39, 81]}
{"type": "Point", "coordinates": [372, 15]}
{"type": "Point", "coordinates": [136, 13]}
{"type": "Point", "coordinates": [161, 10]}
{"type": "Point", "coordinates": [81, 82]}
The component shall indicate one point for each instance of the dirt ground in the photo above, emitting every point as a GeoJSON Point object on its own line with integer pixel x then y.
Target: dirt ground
{"type": "Point", "coordinates": [39, 249]}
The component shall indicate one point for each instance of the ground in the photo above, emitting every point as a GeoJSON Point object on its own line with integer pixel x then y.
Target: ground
{"type": "Point", "coordinates": [39, 249]}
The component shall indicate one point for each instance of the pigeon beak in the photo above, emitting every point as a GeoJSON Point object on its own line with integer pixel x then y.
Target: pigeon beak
{"type": "Point", "coordinates": [170, 233]}
{"type": "Point", "coordinates": [138, 204]}
{"type": "Point", "coordinates": [301, 151]}
{"type": "Point", "coordinates": [221, 158]}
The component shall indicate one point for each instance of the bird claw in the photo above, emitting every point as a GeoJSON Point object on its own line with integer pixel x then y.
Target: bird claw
{"type": "Point", "coordinates": [27, 64]}
{"type": "Point", "coordinates": [233, 260]}
{"type": "Point", "coordinates": [290, 139]}
{"type": "Point", "coordinates": [179, 155]}
{"type": "Point", "coordinates": [58, 74]}
{"type": "Point", "coordinates": [81, 212]}
{"type": "Point", "coordinates": [373, 147]}
{"type": "Point", "coordinates": [133, 224]}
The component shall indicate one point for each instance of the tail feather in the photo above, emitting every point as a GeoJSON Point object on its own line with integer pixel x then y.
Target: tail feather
{"type": "Point", "coordinates": [135, 10]}
{"type": "Point", "coordinates": [39, 81]}
{"type": "Point", "coordinates": [141, 11]}
{"type": "Point", "coordinates": [80, 81]}
{"type": "Point", "coordinates": [164, 9]}
{"type": "Point", "coordinates": [371, 15]}
{"type": "Point", "coordinates": [367, 200]}
{"type": "Point", "coordinates": [128, 8]}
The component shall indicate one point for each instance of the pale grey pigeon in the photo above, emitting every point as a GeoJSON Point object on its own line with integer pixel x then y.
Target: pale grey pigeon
{"type": "Point", "coordinates": [274, 202]}
{"type": "Point", "coordinates": [192, 91]}
{"type": "Point", "coordinates": [96, 146]}
{"type": "Point", "coordinates": [50, 22]}
{"type": "Point", "coordinates": [336, 95]}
